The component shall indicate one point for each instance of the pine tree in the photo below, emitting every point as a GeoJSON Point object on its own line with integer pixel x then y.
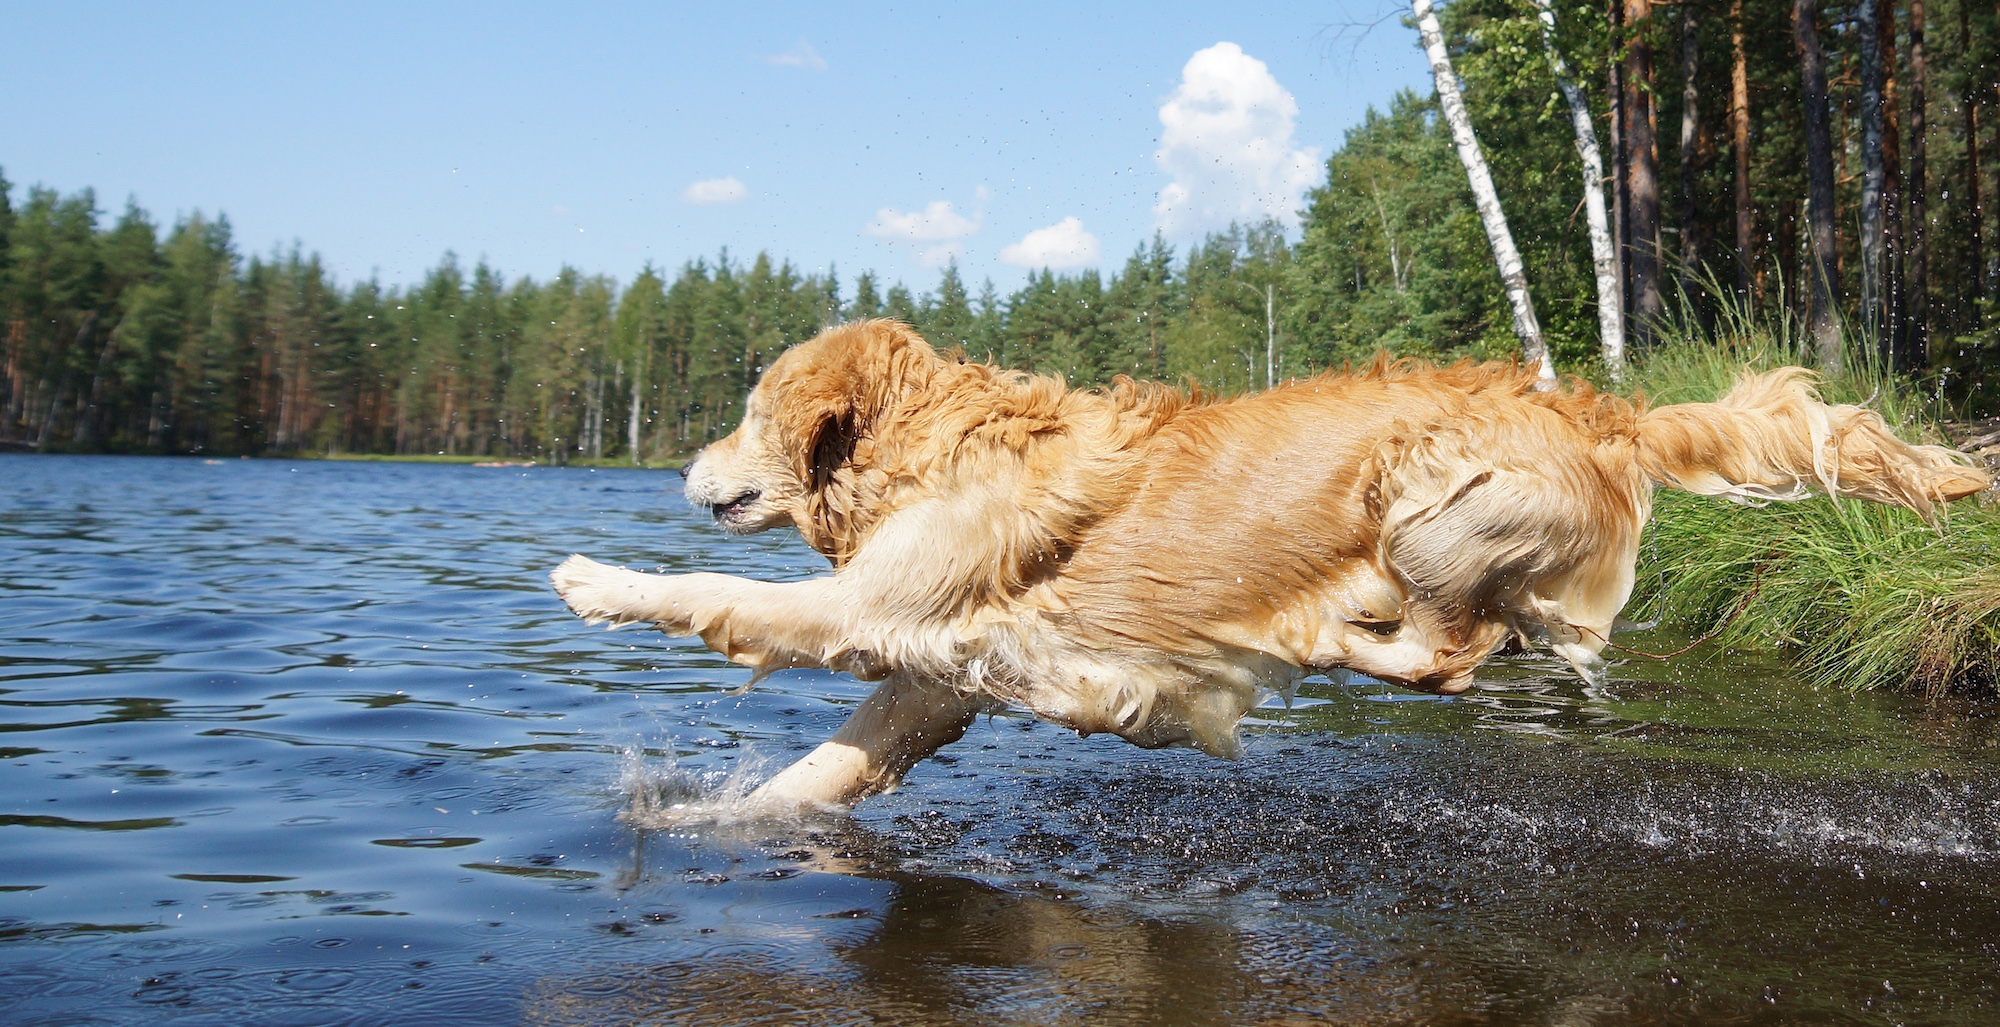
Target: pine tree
{"type": "Point", "coordinates": [946, 317]}
{"type": "Point", "coordinates": [866, 304]}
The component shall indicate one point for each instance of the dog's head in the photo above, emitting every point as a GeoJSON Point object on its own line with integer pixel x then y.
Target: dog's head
{"type": "Point", "coordinates": [820, 403]}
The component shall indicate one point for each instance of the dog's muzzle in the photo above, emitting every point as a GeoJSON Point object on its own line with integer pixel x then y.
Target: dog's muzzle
{"type": "Point", "coordinates": [731, 510]}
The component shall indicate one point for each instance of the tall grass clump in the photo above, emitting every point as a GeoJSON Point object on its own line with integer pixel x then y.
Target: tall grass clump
{"type": "Point", "coordinates": [1861, 595]}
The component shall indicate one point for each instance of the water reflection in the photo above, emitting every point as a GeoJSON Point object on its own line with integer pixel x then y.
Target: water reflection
{"type": "Point", "coordinates": [940, 950]}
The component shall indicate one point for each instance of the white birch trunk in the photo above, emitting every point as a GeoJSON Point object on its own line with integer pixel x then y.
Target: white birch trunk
{"type": "Point", "coordinates": [632, 421]}
{"type": "Point", "coordinates": [1513, 276]}
{"type": "Point", "coordinates": [1270, 336]}
{"type": "Point", "coordinates": [1389, 236]}
{"type": "Point", "coordinates": [1603, 255]}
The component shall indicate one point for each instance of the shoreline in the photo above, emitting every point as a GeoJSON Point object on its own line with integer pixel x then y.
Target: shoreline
{"type": "Point", "coordinates": [674, 464]}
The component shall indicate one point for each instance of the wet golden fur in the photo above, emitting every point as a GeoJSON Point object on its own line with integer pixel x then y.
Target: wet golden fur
{"type": "Point", "coordinates": [1136, 561]}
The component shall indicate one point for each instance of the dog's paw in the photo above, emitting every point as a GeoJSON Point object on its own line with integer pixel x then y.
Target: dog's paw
{"type": "Point", "coordinates": [601, 594]}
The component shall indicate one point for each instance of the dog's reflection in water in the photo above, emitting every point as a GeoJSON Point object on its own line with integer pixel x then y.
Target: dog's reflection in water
{"type": "Point", "coordinates": [940, 950]}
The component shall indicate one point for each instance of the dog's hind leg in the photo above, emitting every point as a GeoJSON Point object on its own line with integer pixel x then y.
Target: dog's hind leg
{"type": "Point", "coordinates": [1490, 540]}
{"type": "Point", "coordinates": [905, 720]}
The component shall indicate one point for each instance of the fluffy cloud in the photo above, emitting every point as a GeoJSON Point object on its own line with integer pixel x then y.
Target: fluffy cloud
{"type": "Point", "coordinates": [1060, 246]}
{"type": "Point", "coordinates": [800, 56]}
{"type": "Point", "coordinates": [1227, 142]}
{"type": "Point", "coordinates": [716, 190]}
{"type": "Point", "coordinates": [937, 231]}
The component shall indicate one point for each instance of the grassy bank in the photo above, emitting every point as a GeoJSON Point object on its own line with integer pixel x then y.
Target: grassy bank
{"type": "Point", "coordinates": [1859, 595]}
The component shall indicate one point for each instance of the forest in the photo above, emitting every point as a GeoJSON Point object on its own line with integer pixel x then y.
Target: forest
{"type": "Point", "coordinates": [1802, 164]}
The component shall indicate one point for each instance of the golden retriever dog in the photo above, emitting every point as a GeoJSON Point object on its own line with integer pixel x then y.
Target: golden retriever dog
{"type": "Point", "coordinates": [1139, 561]}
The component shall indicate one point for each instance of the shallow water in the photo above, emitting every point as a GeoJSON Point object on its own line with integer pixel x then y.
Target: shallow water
{"type": "Point", "coordinates": [313, 743]}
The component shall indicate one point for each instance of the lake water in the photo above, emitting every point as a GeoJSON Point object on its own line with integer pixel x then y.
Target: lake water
{"type": "Point", "coordinates": [314, 743]}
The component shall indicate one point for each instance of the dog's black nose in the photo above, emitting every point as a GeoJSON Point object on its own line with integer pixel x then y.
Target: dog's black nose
{"type": "Point", "coordinates": [684, 469]}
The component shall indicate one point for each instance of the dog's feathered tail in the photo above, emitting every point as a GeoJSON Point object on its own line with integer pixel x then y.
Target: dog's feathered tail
{"type": "Point", "coordinates": [1771, 438]}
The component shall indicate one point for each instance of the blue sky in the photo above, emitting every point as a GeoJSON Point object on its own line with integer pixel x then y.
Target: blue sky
{"type": "Point", "coordinates": [604, 136]}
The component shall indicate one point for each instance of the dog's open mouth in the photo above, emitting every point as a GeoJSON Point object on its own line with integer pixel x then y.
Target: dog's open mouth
{"type": "Point", "coordinates": [732, 510]}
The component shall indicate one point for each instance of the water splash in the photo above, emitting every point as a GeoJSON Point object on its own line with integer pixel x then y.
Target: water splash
{"type": "Point", "coordinates": [661, 794]}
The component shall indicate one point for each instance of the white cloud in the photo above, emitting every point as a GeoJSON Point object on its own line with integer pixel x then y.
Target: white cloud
{"type": "Point", "coordinates": [935, 223]}
{"type": "Point", "coordinates": [937, 231]}
{"type": "Point", "coordinates": [716, 190]}
{"type": "Point", "coordinates": [1227, 142]}
{"type": "Point", "coordinates": [801, 55]}
{"type": "Point", "coordinates": [1060, 246]}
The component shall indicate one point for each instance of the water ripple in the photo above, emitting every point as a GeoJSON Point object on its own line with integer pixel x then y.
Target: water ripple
{"type": "Point", "coordinates": [313, 743]}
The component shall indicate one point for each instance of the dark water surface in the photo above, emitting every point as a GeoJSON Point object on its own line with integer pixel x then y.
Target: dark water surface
{"type": "Point", "coordinates": [313, 743]}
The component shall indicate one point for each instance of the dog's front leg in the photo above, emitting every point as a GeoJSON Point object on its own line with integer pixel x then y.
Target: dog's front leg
{"type": "Point", "coordinates": [905, 720]}
{"type": "Point", "coordinates": [763, 625]}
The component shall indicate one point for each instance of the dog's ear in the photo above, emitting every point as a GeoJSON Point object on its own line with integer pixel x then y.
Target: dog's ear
{"type": "Point", "coordinates": [831, 447]}
{"type": "Point", "coordinates": [815, 418]}
{"type": "Point", "coordinates": [855, 376]}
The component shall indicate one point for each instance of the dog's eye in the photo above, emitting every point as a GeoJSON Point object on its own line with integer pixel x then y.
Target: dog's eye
{"type": "Point", "coordinates": [1378, 627]}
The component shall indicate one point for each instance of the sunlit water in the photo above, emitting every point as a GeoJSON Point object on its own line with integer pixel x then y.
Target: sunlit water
{"type": "Point", "coordinates": [309, 743]}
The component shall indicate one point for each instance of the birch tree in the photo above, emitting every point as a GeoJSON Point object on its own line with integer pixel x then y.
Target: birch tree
{"type": "Point", "coordinates": [1603, 255]}
{"type": "Point", "coordinates": [1513, 275]}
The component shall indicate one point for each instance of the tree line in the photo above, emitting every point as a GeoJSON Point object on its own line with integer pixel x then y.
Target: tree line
{"type": "Point", "coordinates": [1832, 164]}
{"type": "Point", "coordinates": [124, 337]}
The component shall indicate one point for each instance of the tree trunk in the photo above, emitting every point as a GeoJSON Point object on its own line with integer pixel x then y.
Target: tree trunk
{"type": "Point", "coordinates": [1820, 270]}
{"type": "Point", "coordinates": [1270, 335]}
{"type": "Point", "coordinates": [1621, 219]}
{"type": "Point", "coordinates": [1603, 257]}
{"type": "Point", "coordinates": [1388, 236]}
{"type": "Point", "coordinates": [1917, 266]}
{"type": "Point", "coordinates": [91, 410]}
{"type": "Point", "coordinates": [596, 429]}
{"type": "Point", "coordinates": [17, 379]}
{"type": "Point", "coordinates": [1739, 142]}
{"type": "Point", "coordinates": [1513, 276]}
{"type": "Point", "coordinates": [633, 422]}
{"type": "Point", "coordinates": [1975, 213]}
{"type": "Point", "coordinates": [1892, 338]}
{"type": "Point", "coordinates": [402, 419]}
{"type": "Point", "coordinates": [1642, 169]}
{"type": "Point", "coordinates": [1873, 243]}
{"type": "Point", "coordinates": [1690, 153]}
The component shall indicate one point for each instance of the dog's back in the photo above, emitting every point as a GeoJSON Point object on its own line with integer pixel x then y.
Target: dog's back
{"type": "Point", "coordinates": [1407, 521]}
{"type": "Point", "coordinates": [1400, 522]}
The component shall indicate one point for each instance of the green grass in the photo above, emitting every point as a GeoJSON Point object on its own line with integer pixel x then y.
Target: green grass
{"type": "Point", "coordinates": [1857, 595]}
